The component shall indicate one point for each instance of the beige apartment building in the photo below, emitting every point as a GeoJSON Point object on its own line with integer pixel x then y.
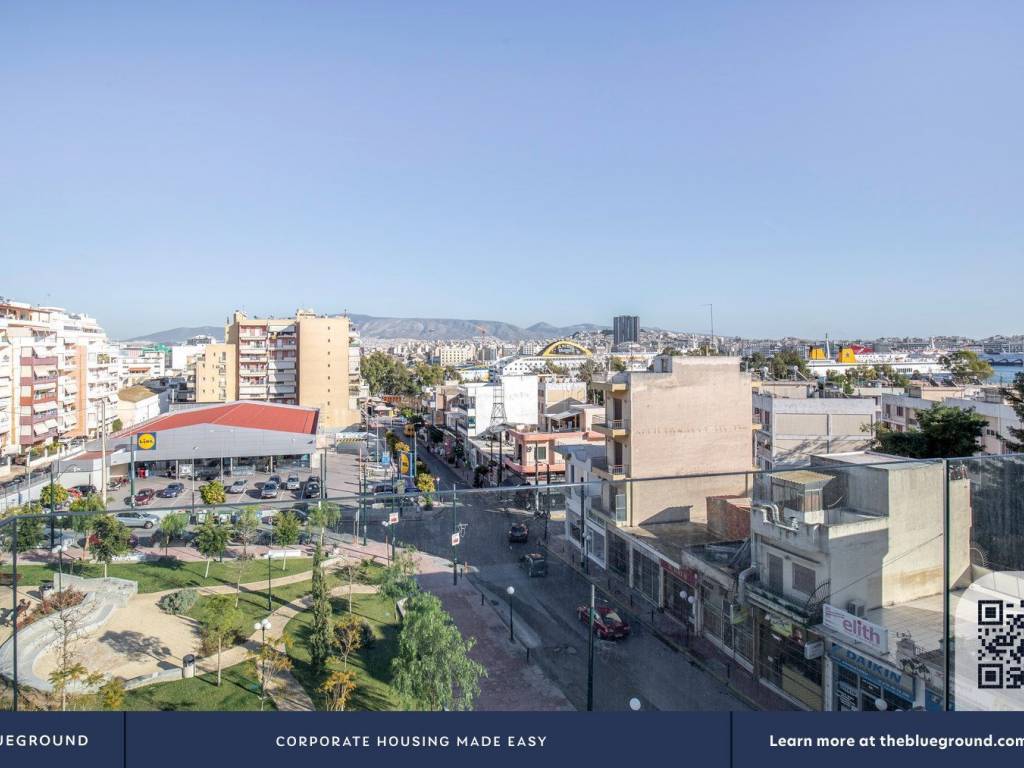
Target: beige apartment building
{"type": "Point", "coordinates": [687, 416]}
{"type": "Point", "coordinates": [309, 359]}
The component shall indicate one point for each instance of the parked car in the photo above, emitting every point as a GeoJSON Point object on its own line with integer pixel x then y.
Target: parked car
{"type": "Point", "coordinates": [172, 491]}
{"type": "Point", "coordinates": [608, 625]}
{"type": "Point", "coordinates": [535, 564]}
{"type": "Point", "coordinates": [312, 490]}
{"type": "Point", "coordinates": [268, 490]}
{"type": "Point", "coordinates": [519, 533]}
{"type": "Point", "coordinates": [137, 519]}
{"type": "Point", "coordinates": [292, 483]}
{"type": "Point", "coordinates": [143, 497]}
{"type": "Point", "coordinates": [85, 490]}
{"type": "Point", "coordinates": [274, 479]}
{"type": "Point", "coordinates": [238, 486]}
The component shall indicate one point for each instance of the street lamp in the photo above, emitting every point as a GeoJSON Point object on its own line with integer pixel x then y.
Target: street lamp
{"type": "Point", "coordinates": [193, 473]}
{"type": "Point", "coordinates": [262, 627]}
{"type": "Point", "coordinates": [634, 704]}
{"type": "Point", "coordinates": [511, 628]}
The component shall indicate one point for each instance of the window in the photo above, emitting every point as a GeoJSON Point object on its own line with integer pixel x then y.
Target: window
{"type": "Point", "coordinates": [899, 410]}
{"type": "Point", "coordinates": [618, 556]}
{"type": "Point", "coordinates": [645, 576]}
{"type": "Point", "coordinates": [541, 453]}
{"type": "Point", "coordinates": [803, 579]}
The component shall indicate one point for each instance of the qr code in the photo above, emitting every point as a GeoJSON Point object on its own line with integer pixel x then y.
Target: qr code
{"type": "Point", "coordinates": [1000, 644]}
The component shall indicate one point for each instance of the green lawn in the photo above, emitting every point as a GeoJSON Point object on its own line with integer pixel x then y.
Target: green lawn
{"type": "Point", "coordinates": [372, 665]}
{"type": "Point", "coordinates": [237, 692]}
{"type": "Point", "coordinates": [159, 575]}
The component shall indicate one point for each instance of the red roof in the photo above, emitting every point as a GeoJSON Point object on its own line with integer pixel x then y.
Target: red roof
{"type": "Point", "coordinates": [277, 418]}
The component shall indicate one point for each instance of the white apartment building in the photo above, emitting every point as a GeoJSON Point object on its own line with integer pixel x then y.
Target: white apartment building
{"type": "Point", "coordinates": [900, 412]}
{"type": "Point", "coordinates": [789, 430]}
{"type": "Point", "coordinates": [141, 360]}
{"type": "Point", "coordinates": [470, 412]}
{"type": "Point", "coordinates": [62, 373]}
{"type": "Point", "coordinates": [850, 534]}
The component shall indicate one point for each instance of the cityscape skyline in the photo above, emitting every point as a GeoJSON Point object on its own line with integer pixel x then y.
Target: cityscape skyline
{"type": "Point", "coordinates": [806, 169]}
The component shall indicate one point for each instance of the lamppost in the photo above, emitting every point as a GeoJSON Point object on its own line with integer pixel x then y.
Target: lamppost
{"type": "Point", "coordinates": [262, 627]}
{"type": "Point", "coordinates": [590, 648]}
{"type": "Point", "coordinates": [688, 601]}
{"type": "Point", "coordinates": [270, 588]}
{"type": "Point", "coordinates": [634, 704]}
{"type": "Point", "coordinates": [510, 590]}
{"type": "Point", "coordinates": [455, 530]}
{"type": "Point", "coordinates": [193, 473]}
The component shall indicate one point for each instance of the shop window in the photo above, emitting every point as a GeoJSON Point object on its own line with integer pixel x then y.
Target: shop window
{"type": "Point", "coordinates": [645, 576]}
{"type": "Point", "coordinates": [618, 556]}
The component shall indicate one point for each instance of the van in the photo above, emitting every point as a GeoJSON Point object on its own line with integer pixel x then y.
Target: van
{"type": "Point", "coordinates": [535, 564]}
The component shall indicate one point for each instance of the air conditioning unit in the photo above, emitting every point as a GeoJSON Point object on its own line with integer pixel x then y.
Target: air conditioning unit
{"type": "Point", "coordinates": [856, 607]}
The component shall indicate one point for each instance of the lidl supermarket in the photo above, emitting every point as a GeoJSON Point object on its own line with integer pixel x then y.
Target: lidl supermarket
{"type": "Point", "coordinates": [216, 440]}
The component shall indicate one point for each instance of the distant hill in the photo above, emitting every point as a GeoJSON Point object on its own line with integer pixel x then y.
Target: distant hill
{"type": "Point", "coordinates": [422, 328]}
{"type": "Point", "coordinates": [177, 335]}
{"type": "Point", "coordinates": [434, 328]}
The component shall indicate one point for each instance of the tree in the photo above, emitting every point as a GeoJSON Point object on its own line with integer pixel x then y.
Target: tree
{"type": "Point", "coordinates": [68, 627]}
{"type": "Point", "coordinates": [396, 580]}
{"type": "Point", "coordinates": [173, 526]}
{"type": "Point", "coordinates": [785, 360]}
{"type": "Point", "coordinates": [671, 351]}
{"type": "Point", "coordinates": [53, 495]}
{"type": "Point", "coordinates": [616, 365]}
{"type": "Point", "coordinates": [967, 367]}
{"type": "Point", "coordinates": [247, 527]}
{"type": "Point", "coordinates": [111, 694]}
{"type": "Point", "coordinates": [425, 485]}
{"type": "Point", "coordinates": [320, 639]}
{"type": "Point", "coordinates": [348, 636]}
{"type": "Point", "coordinates": [432, 667]}
{"type": "Point", "coordinates": [945, 433]}
{"type": "Point", "coordinates": [31, 531]}
{"type": "Point", "coordinates": [1014, 395]}
{"type": "Point", "coordinates": [286, 532]}
{"type": "Point", "coordinates": [324, 516]}
{"type": "Point", "coordinates": [426, 375]}
{"type": "Point", "coordinates": [109, 539]}
{"type": "Point", "coordinates": [212, 492]}
{"type": "Point", "coordinates": [116, 425]}
{"type": "Point", "coordinates": [220, 621]}
{"type": "Point", "coordinates": [211, 541]}
{"type": "Point", "coordinates": [271, 660]}
{"type": "Point", "coordinates": [386, 375]}
{"type": "Point", "coordinates": [337, 689]}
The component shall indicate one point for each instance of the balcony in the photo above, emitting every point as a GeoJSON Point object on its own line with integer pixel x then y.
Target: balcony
{"type": "Point", "coordinates": [610, 385]}
{"type": "Point", "coordinates": [616, 511]}
{"type": "Point", "coordinates": [806, 611]}
{"type": "Point", "coordinates": [40, 362]}
{"type": "Point", "coordinates": [614, 428]}
{"type": "Point", "coordinates": [607, 471]}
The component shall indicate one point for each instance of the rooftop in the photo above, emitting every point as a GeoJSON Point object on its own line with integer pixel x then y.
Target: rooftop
{"type": "Point", "coordinates": [670, 539]}
{"type": "Point", "coordinates": [135, 394]}
{"type": "Point", "coordinates": [243, 415]}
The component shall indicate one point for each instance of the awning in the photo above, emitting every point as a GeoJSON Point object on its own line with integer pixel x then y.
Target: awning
{"type": "Point", "coordinates": [42, 407]}
{"type": "Point", "coordinates": [559, 415]}
{"type": "Point", "coordinates": [51, 423]}
{"type": "Point", "coordinates": [38, 429]}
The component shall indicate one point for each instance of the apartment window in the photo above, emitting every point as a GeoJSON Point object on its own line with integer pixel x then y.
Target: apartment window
{"type": "Point", "coordinates": [899, 410]}
{"type": "Point", "coordinates": [540, 452]}
{"type": "Point", "coordinates": [803, 579]}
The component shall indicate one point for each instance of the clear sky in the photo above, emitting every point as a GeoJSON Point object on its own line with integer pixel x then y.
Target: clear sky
{"type": "Point", "coordinates": [854, 168]}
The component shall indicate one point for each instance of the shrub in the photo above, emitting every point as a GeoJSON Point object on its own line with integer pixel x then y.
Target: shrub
{"type": "Point", "coordinates": [57, 601]}
{"type": "Point", "coordinates": [177, 603]}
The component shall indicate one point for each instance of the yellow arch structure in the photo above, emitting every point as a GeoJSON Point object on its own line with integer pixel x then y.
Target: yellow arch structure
{"type": "Point", "coordinates": [552, 349]}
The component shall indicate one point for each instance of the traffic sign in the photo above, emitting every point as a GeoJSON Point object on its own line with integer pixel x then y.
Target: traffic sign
{"type": "Point", "coordinates": [145, 441]}
{"type": "Point", "coordinates": [456, 539]}
{"type": "Point", "coordinates": [393, 518]}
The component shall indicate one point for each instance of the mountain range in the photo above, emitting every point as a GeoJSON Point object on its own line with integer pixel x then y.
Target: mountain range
{"type": "Point", "coordinates": [419, 328]}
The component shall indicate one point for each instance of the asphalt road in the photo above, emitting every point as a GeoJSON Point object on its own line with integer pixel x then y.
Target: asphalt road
{"type": "Point", "coordinates": [544, 608]}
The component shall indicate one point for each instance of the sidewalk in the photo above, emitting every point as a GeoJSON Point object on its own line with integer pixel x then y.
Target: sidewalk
{"type": "Point", "coordinates": [505, 661]}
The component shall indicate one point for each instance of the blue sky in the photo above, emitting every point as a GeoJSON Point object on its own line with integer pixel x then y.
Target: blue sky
{"type": "Point", "coordinates": [807, 167]}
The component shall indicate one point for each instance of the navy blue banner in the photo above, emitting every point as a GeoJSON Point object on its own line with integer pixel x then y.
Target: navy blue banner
{"type": "Point", "coordinates": [61, 739]}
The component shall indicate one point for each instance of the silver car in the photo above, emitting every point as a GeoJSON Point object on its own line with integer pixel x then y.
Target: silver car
{"type": "Point", "coordinates": [137, 519]}
{"type": "Point", "coordinates": [268, 490]}
{"type": "Point", "coordinates": [293, 483]}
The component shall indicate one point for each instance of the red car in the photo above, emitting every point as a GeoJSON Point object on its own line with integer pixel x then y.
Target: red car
{"type": "Point", "coordinates": [608, 625]}
{"type": "Point", "coordinates": [144, 497]}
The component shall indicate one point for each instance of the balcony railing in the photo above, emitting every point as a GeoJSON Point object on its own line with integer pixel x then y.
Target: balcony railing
{"type": "Point", "coordinates": [603, 467]}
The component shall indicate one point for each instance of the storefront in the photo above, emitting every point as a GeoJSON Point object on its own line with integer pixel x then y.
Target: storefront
{"type": "Point", "coordinates": [861, 683]}
{"type": "Point", "coordinates": [679, 594]}
{"type": "Point", "coordinates": [726, 623]}
{"type": "Point", "coordinates": [618, 555]}
{"type": "Point", "coordinates": [789, 658]}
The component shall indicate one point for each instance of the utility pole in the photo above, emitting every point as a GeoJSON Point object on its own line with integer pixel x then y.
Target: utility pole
{"type": "Point", "coordinates": [103, 450]}
{"type": "Point", "coordinates": [590, 651]}
{"type": "Point", "coordinates": [455, 529]}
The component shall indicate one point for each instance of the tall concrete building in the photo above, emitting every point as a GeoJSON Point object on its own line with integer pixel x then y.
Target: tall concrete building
{"type": "Point", "coordinates": [626, 329]}
{"type": "Point", "coordinates": [58, 378]}
{"type": "Point", "coordinates": [309, 359]}
{"type": "Point", "coordinates": [687, 416]}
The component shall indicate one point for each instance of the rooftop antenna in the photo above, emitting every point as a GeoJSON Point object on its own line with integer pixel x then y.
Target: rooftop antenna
{"type": "Point", "coordinates": [711, 312]}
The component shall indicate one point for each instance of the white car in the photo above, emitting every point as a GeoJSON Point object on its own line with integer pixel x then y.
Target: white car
{"type": "Point", "coordinates": [137, 519]}
{"type": "Point", "coordinates": [293, 483]}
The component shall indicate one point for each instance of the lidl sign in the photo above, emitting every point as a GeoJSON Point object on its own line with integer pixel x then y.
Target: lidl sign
{"type": "Point", "coordinates": [146, 441]}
